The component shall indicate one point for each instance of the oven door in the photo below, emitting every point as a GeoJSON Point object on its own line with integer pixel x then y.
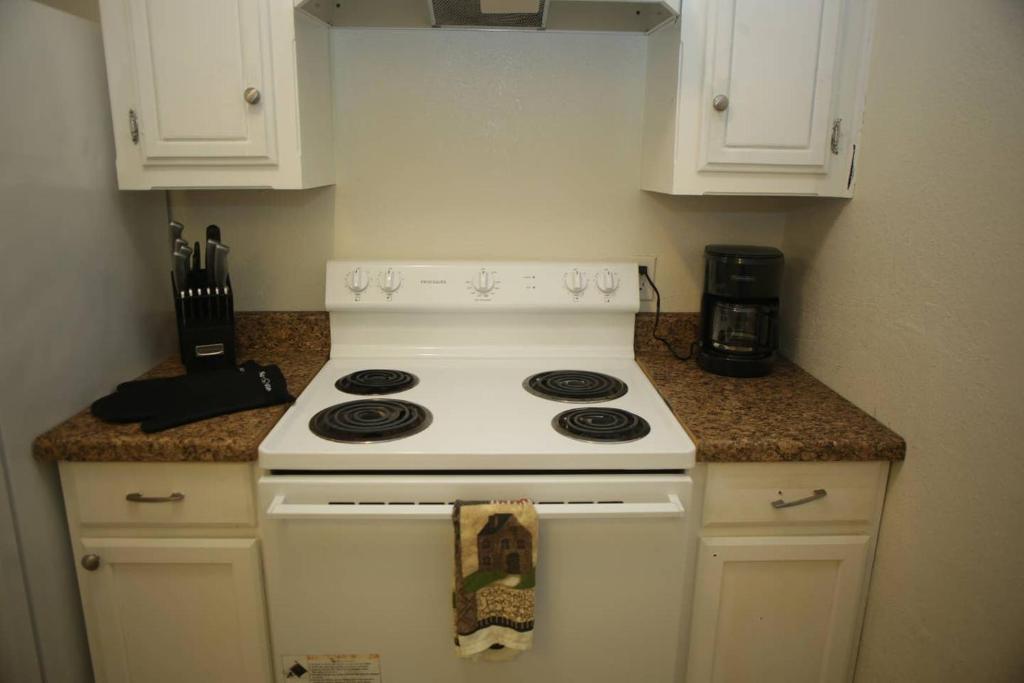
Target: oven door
{"type": "Point", "coordinates": [362, 565]}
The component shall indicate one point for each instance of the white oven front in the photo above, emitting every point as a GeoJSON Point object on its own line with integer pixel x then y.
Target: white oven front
{"type": "Point", "coordinates": [362, 565]}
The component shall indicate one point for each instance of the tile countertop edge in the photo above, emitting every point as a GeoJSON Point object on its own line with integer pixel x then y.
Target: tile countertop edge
{"type": "Point", "coordinates": [298, 342]}
{"type": "Point", "coordinates": [788, 416]}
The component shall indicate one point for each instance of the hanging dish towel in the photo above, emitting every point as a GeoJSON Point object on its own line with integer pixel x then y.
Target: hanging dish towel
{"type": "Point", "coordinates": [495, 565]}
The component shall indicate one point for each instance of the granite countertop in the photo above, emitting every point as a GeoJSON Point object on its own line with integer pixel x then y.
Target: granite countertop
{"type": "Point", "coordinates": [298, 343]}
{"type": "Point", "coordinates": [785, 416]}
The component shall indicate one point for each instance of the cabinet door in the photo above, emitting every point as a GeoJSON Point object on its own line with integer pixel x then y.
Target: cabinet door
{"type": "Point", "coordinates": [774, 61]}
{"type": "Point", "coordinates": [776, 609]}
{"type": "Point", "coordinates": [170, 610]}
{"type": "Point", "coordinates": [194, 61]}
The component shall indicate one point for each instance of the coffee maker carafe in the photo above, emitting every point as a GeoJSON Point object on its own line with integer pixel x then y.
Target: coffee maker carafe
{"type": "Point", "coordinates": [739, 331]}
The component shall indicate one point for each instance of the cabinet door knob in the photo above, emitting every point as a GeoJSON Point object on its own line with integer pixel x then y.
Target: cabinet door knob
{"type": "Point", "coordinates": [720, 103]}
{"type": "Point", "coordinates": [251, 95]}
{"type": "Point", "coordinates": [91, 562]}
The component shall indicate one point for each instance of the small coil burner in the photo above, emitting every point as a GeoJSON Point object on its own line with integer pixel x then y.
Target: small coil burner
{"type": "Point", "coordinates": [370, 420]}
{"type": "Point", "coordinates": [377, 382]}
{"type": "Point", "coordinates": [575, 386]}
{"type": "Point", "coordinates": [601, 425]}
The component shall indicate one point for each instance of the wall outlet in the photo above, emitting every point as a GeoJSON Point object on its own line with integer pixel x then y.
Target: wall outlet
{"type": "Point", "coordinates": [646, 293]}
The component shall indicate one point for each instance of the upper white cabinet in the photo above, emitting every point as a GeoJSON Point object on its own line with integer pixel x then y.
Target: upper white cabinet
{"type": "Point", "coordinates": [771, 70]}
{"type": "Point", "coordinates": [218, 93]}
{"type": "Point", "coordinates": [214, 53]}
{"type": "Point", "coordinates": [757, 97]}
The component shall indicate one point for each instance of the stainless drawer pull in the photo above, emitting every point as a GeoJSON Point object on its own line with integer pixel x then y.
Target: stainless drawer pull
{"type": "Point", "coordinates": [817, 495]}
{"type": "Point", "coordinates": [139, 498]}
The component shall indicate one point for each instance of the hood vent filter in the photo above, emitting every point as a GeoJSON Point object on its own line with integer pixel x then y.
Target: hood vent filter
{"type": "Point", "coordinates": [487, 13]}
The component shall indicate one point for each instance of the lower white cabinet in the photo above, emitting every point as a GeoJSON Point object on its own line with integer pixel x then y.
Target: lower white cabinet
{"type": "Point", "coordinates": [776, 608]}
{"type": "Point", "coordinates": [169, 571]}
{"type": "Point", "coordinates": [167, 610]}
{"type": "Point", "coordinates": [783, 555]}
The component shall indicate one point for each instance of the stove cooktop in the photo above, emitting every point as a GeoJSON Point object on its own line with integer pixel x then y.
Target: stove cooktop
{"type": "Point", "coordinates": [479, 414]}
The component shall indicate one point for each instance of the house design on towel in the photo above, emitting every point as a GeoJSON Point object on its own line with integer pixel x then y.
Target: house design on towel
{"type": "Point", "coordinates": [504, 545]}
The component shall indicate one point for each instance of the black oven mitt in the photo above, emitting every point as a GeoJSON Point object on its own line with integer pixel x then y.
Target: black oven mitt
{"type": "Point", "coordinates": [141, 399]}
{"type": "Point", "coordinates": [167, 402]}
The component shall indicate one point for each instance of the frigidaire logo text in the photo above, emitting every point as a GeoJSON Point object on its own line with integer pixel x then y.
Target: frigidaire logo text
{"type": "Point", "coordinates": [433, 282]}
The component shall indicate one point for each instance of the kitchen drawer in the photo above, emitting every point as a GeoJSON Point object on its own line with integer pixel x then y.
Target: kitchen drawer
{"type": "Point", "coordinates": [742, 493]}
{"type": "Point", "coordinates": [211, 493]}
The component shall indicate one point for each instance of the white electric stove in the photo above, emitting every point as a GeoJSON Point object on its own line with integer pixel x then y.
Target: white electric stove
{"type": "Point", "coordinates": [477, 381]}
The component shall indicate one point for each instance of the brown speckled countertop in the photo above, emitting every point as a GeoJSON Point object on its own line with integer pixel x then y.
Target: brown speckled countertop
{"type": "Point", "coordinates": [298, 343]}
{"type": "Point", "coordinates": [785, 416]}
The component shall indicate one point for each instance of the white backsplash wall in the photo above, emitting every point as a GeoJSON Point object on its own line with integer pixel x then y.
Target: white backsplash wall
{"type": "Point", "coordinates": [279, 239]}
{"type": "Point", "coordinates": [477, 145]}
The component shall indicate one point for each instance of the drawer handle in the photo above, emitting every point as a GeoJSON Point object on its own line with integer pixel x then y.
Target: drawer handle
{"type": "Point", "coordinates": [139, 498]}
{"type": "Point", "coordinates": [817, 495]}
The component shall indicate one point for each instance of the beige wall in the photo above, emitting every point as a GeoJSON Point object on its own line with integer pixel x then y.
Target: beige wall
{"type": "Point", "coordinates": [84, 304]}
{"type": "Point", "coordinates": [908, 300]}
{"type": "Point", "coordinates": [477, 145]}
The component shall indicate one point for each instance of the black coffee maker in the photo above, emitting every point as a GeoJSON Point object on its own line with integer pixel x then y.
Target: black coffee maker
{"type": "Point", "coordinates": [739, 312]}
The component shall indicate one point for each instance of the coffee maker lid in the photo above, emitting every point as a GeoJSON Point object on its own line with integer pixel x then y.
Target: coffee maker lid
{"type": "Point", "coordinates": [742, 251]}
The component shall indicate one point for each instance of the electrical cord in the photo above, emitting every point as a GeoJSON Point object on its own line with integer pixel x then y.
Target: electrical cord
{"type": "Point", "coordinates": [657, 320]}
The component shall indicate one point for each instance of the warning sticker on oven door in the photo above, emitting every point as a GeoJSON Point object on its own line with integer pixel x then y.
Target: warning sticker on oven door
{"type": "Point", "coordinates": [332, 668]}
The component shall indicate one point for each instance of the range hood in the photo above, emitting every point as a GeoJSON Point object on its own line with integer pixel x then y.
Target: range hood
{"type": "Point", "coordinates": [620, 16]}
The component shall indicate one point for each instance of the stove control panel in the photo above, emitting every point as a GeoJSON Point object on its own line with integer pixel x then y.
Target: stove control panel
{"type": "Point", "coordinates": [497, 285]}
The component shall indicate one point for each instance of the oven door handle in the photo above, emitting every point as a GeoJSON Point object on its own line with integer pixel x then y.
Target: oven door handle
{"type": "Point", "coordinates": [279, 509]}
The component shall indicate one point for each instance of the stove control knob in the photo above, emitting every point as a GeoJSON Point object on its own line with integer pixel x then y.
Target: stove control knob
{"type": "Point", "coordinates": [607, 282]}
{"type": "Point", "coordinates": [390, 281]}
{"type": "Point", "coordinates": [575, 281]}
{"type": "Point", "coordinates": [483, 282]}
{"type": "Point", "coordinates": [357, 280]}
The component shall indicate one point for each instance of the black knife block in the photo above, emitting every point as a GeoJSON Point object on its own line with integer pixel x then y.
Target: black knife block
{"type": "Point", "coordinates": [206, 323]}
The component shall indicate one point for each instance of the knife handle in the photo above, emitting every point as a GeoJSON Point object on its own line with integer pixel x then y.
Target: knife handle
{"type": "Point", "coordinates": [220, 267]}
{"type": "Point", "coordinates": [211, 262]}
{"type": "Point", "coordinates": [177, 229]}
